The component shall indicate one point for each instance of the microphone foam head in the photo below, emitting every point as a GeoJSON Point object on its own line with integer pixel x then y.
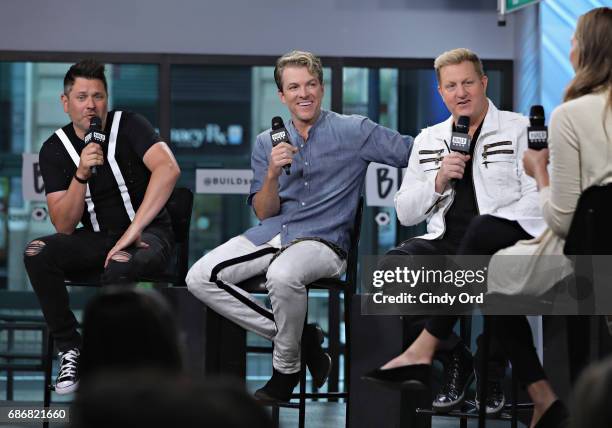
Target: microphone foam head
{"type": "Point", "coordinates": [463, 123]}
{"type": "Point", "coordinates": [277, 122]}
{"type": "Point", "coordinates": [536, 115]}
{"type": "Point", "coordinates": [96, 123]}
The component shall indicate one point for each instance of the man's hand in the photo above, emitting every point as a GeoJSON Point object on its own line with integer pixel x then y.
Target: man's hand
{"type": "Point", "coordinates": [281, 155]}
{"type": "Point", "coordinates": [452, 167]}
{"type": "Point", "coordinates": [130, 237]}
{"type": "Point", "coordinates": [91, 155]}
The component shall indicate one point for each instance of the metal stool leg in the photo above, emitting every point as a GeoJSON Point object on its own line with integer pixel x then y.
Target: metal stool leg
{"type": "Point", "coordinates": [482, 393]}
{"type": "Point", "coordinates": [275, 416]}
{"type": "Point", "coordinates": [513, 421]}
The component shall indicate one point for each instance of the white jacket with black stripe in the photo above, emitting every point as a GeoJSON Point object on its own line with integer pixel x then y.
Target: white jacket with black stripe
{"type": "Point", "coordinates": [501, 186]}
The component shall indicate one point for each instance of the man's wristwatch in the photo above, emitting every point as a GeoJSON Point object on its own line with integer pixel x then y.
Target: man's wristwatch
{"type": "Point", "coordinates": [79, 179]}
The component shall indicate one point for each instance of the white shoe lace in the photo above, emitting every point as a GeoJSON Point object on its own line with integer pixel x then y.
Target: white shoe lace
{"type": "Point", "coordinates": [68, 365]}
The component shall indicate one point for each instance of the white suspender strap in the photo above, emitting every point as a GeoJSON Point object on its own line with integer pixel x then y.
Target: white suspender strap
{"type": "Point", "coordinates": [75, 158]}
{"type": "Point", "coordinates": [112, 146]}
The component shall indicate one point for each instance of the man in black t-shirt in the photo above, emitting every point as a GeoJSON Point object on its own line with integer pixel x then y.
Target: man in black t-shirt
{"type": "Point", "coordinates": [125, 231]}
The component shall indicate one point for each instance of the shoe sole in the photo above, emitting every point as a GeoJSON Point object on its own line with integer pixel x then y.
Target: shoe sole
{"type": "Point", "coordinates": [456, 405]}
{"type": "Point", "coordinates": [491, 411]}
{"type": "Point", "coordinates": [268, 401]}
{"type": "Point", "coordinates": [413, 385]}
{"type": "Point", "coordinates": [68, 389]}
{"type": "Point", "coordinates": [319, 383]}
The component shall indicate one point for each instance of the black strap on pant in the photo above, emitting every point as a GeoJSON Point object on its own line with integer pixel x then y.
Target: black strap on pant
{"type": "Point", "coordinates": [237, 260]}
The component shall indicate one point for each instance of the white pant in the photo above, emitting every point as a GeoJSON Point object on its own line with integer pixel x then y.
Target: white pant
{"type": "Point", "coordinates": [286, 278]}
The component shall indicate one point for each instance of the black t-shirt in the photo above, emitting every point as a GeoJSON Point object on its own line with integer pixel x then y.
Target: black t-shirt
{"type": "Point", "coordinates": [118, 188]}
{"type": "Point", "coordinates": [464, 207]}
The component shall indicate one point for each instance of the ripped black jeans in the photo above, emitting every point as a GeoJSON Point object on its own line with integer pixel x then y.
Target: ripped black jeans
{"type": "Point", "coordinates": [51, 259]}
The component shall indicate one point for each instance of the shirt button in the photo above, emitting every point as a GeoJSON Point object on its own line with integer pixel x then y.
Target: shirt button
{"type": "Point", "coordinates": [301, 145]}
{"type": "Point", "coordinates": [306, 163]}
{"type": "Point", "coordinates": [306, 183]}
{"type": "Point", "coordinates": [284, 226]}
{"type": "Point", "coordinates": [303, 203]}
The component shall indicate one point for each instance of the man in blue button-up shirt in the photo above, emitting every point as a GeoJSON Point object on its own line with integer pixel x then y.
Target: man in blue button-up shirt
{"type": "Point", "coordinates": [306, 219]}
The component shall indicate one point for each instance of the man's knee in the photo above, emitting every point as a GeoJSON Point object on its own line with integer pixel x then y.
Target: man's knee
{"type": "Point", "coordinates": [33, 254]}
{"type": "Point", "coordinates": [121, 257]}
{"type": "Point", "coordinates": [198, 277]}
{"type": "Point", "coordinates": [122, 267]}
{"type": "Point", "coordinates": [34, 248]}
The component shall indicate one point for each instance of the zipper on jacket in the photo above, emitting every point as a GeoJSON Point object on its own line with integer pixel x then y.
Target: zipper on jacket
{"type": "Point", "coordinates": [440, 199]}
{"type": "Point", "coordinates": [499, 143]}
{"type": "Point", "coordinates": [486, 162]}
{"type": "Point", "coordinates": [430, 152]}
{"type": "Point", "coordinates": [473, 185]}
{"type": "Point", "coordinates": [497, 152]}
{"type": "Point", "coordinates": [436, 160]}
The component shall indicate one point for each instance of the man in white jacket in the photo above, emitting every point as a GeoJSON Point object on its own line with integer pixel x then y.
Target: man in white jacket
{"type": "Point", "coordinates": [474, 203]}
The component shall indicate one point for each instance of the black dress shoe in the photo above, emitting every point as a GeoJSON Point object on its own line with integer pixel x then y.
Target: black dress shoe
{"type": "Point", "coordinates": [413, 376]}
{"type": "Point", "coordinates": [495, 396]}
{"type": "Point", "coordinates": [556, 416]}
{"type": "Point", "coordinates": [458, 375]}
{"type": "Point", "coordinates": [279, 388]}
{"type": "Point", "coordinates": [317, 360]}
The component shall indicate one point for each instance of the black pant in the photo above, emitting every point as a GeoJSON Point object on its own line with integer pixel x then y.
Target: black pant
{"type": "Point", "coordinates": [513, 334]}
{"type": "Point", "coordinates": [52, 259]}
{"type": "Point", "coordinates": [485, 235]}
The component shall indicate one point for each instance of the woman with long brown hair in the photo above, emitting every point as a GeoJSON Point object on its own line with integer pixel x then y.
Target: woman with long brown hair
{"type": "Point", "coordinates": [580, 147]}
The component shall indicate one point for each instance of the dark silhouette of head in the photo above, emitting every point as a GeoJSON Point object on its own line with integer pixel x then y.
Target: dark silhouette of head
{"type": "Point", "coordinates": [129, 329]}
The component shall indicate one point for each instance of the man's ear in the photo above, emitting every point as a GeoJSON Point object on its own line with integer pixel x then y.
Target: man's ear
{"type": "Point", "coordinates": [64, 101]}
{"type": "Point", "coordinates": [281, 97]}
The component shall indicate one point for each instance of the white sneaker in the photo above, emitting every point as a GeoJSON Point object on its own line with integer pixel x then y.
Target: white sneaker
{"type": "Point", "coordinates": [68, 378]}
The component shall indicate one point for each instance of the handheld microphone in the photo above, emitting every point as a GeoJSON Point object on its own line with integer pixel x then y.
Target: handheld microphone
{"type": "Point", "coordinates": [460, 140]}
{"type": "Point", "coordinates": [279, 135]}
{"type": "Point", "coordinates": [95, 135]}
{"type": "Point", "coordinates": [537, 132]}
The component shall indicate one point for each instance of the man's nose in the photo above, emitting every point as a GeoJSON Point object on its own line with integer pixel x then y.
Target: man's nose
{"type": "Point", "coordinates": [461, 92]}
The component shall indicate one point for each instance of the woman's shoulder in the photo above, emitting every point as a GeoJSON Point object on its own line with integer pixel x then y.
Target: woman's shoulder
{"type": "Point", "coordinates": [588, 102]}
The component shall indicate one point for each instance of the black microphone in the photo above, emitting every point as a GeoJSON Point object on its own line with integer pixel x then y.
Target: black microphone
{"type": "Point", "coordinates": [537, 132]}
{"type": "Point", "coordinates": [95, 135]}
{"type": "Point", "coordinates": [460, 140]}
{"type": "Point", "coordinates": [279, 135]}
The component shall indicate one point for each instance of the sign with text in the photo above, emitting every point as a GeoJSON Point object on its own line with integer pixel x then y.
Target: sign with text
{"type": "Point", "coordinates": [382, 181]}
{"type": "Point", "coordinates": [32, 186]}
{"type": "Point", "coordinates": [224, 181]}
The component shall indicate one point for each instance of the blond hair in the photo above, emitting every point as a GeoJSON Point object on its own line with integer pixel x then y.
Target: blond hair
{"type": "Point", "coordinates": [457, 56]}
{"type": "Point", "coordinates": [298, 59]}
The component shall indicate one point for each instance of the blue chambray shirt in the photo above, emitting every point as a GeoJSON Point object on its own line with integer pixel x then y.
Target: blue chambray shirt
{"type": "Point", "coordinates": [319, 199]}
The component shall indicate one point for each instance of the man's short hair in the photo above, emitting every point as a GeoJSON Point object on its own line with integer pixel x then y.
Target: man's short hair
{"type": "Point", "coordinates": [457, 56]}
{"type": "Point", "coordinates": [298, 59]}
{"type": "Point", "coordinates": [88, 69]}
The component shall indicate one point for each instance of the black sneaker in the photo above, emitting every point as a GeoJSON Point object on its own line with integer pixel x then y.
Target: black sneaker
{"type": "Point", "coordinates": [279, 388]}
{"type": "Point", "coordinates": [458, 375]}
{"type": "Point", "coordinates": [68, 377]}
{"type": "Point", "coordinates": [317, 360]}
{"type": "Point", "coordinates": [495, 396]}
